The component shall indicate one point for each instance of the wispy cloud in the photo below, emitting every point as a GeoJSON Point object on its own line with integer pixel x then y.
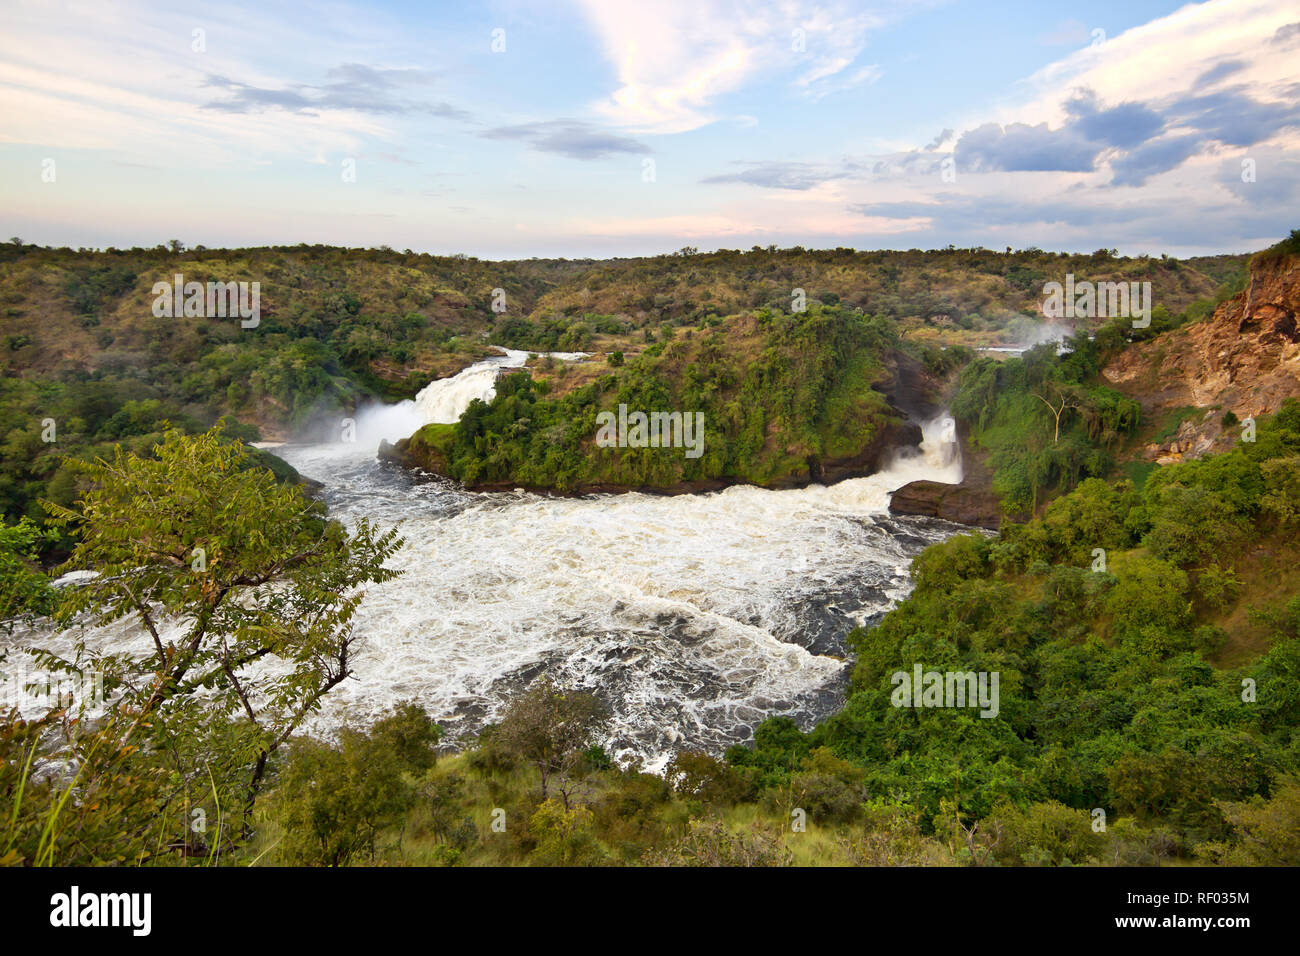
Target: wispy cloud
{"type": "Point", "coordinates": [575, 139]}
{"type": "Point", "coordinates": [351, 86]}
{"type": "Point", "coordinates": [779, 175]}
{"type": "Point", "coordinates": [1067, 33]}
{"type": "Point", "coordinates": [1287, 35]}
{"type": "Point", "coordinates": [674, 59]}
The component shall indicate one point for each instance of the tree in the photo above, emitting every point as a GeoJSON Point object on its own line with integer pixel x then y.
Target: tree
{"type": "Point", "coordinates": [24, 588]}
{"type": "Point", "coordinates": [564, 835]}
{"type": "Point", "coordinates": [1265, 832]}
{"type": "Point", "coordinates": [550, 728]}
{"type": "Point", "coordinates": [1063, 401]}
{"type": "Point", "coordinates": [1047, 833]}
{"type": "Point", "coordinates": [696, 775]}
{"type": "Point", "coordinates": [1282, 479]}
{"type": "Point", "coordinates": [245, 592]}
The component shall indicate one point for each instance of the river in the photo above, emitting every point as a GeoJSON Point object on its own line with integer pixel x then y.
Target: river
{"type": "Point", "coordinates": [693, 616]}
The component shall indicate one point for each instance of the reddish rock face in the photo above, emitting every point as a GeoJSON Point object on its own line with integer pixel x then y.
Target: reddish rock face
{"type": "Point", "coordinates": [1244, 359]}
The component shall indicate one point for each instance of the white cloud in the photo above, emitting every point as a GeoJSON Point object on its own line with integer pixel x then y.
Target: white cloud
{"type": "Point", "coordinates": [1165, 57]}
{"type": "Point", "coordinates": [674, 59]}
{"type": "Point", "coordinates": [67, 81]}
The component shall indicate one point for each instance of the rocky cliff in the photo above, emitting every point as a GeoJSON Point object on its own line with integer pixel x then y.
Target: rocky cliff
{"type": "Point", "coordinates": [972, 502]}
{"type": "Point", "coordinates": [1244, 359]}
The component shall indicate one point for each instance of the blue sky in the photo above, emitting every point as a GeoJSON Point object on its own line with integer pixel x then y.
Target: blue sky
{"type": "Point", "coordinates": [613, 128]}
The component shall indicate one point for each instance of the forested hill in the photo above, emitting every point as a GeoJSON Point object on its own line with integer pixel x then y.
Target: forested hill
{"type": "Point", "coordinates": [80, 344]}
{"type": "Point", "coordinates": [387, 322]}
{"type": "Point", "coordinates": [767, 399]}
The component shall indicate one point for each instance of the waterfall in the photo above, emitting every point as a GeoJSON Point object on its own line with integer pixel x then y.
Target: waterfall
{"type": "Point", "coordinates": [445, 400]}
{"type": "Point", "coordinates": [441, 402]}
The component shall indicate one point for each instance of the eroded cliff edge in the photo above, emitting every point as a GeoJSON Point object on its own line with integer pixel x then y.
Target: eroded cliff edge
{"type": "Point", "coordinates": [1243, 360]}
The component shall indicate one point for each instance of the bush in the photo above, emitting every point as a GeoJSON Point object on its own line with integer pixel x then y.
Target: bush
{"type": "Point", "coordinates": [564, 836]}
{"type": "Point", "coordinates": [333, 801]}
{"type": "Point", "coordinates": [1045, 834]}
{"type": "Point", "coordinates": [711, 842]}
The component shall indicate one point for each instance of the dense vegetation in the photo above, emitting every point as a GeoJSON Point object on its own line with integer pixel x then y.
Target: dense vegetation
{"type": "Point", "coordinates": [778, 393]}
{"type": "Point", "coordinates": [1148, 645]}
{"type": "Point", "coordinates": [957, 294]}
{"type": "Point", "coordinates": [1047, 420]}
{"type": "Point", "coordinates": [1147, 637]}
{"type": "Point", "coordinates": [221, 566]}
{"type": "Point", "coordinates": [79, 343]}
{"type": "Point", "coordinates": [57, 422]}
{"type": "Point", "coordinates": [1044, 419]}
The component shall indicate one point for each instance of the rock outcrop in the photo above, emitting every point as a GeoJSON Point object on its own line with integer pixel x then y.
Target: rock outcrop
{"type": "Point", "coordinates": [972, 502]}
{"type": "Point", "coordinates": [1244, 359]}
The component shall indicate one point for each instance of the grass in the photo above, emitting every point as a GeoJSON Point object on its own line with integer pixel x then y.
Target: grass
{"type": "Point", "coordinates": [624, 832]}
{"type": "Point", "coordinates": [1170, 421]}
{"type": "Point", "coordinates": [1137, 471]}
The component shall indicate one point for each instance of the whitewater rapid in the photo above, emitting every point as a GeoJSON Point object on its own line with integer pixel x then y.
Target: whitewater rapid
{"type": "Point", "coordinates": [693, 616]}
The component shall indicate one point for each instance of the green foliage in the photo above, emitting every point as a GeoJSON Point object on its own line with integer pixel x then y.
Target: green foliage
{"type": "Point", "coordinates": [551, 335]}
{"type": "Point", "coordinates": [829, 790]}
{"type": "Point", "coordinates": [334, 801]}
{"type": "Point", "coordinates": [551, 729]}
{"type": "Point", "coordinates": [25, 590]}
{"type": "Point", "coordinates": [1290, 246]}
{"type": "Point", "coordinates": [1043, 419]}
{"type": "Point", "coordinates": [564, 836]}
{"type": "Point", "coordinates": [696, 775]}
{"type": "Point", "coordinates": [778, 396]}
{"type": "Point", "coordinates": [1266, 830]}
{"type": "Point", "coordinates": [1101, 617]}
{"type": "Point", "coordinates": [708, 842]}
{"type": "Point", "coordinates": [1045, 834]}
{"type": "Point", "coordinates": [221, 566]}
{"type": "Point", "coordinates": [113, 809]}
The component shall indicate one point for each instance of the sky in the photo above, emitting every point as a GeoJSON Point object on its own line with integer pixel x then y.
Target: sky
{"type": "Point", "coordinates": [599, 128]}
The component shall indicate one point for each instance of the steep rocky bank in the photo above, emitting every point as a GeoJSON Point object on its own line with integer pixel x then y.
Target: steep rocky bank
{"type": "Point", "coordinates": [972, 502]}
{"type": "Point", "coordinates": [1244, 359]}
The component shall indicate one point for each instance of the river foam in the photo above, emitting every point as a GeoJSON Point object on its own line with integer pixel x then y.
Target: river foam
{"type": "Point", "coordinates": [693, 616]}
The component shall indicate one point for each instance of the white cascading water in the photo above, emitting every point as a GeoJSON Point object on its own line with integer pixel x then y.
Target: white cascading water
{"type": "Point", "coordinates": [693, 616]}
{"type": "Point", "coordinates": [442, 401]}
